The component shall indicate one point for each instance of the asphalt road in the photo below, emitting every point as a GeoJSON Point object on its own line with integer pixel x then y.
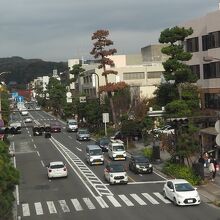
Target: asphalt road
{"type": "Point", "coordinates": [85, 194]}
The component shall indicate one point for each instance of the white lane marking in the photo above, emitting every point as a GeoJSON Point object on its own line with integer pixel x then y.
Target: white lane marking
{"type": "Point", "coordinates": [126, 200]}
{"type": "Point", "coordinates": [147, 182]}
{"type": "Point", "coordinates": [101, 202]}
{"type": "Point", "coordinates": [161, 197]}
{"type": "Point", "coordinates": [64, 206]}
{"type": "Point", "coordinates": [114, 201]}
{"type": "Point", "coordinates": [38, 153]}
{"type": "Point", "coordinates": [78, 149]}
{"type": "Point", "coordinates": [70, 137]}
{"type": "Point", "coordinates": [35, 146]}
{"type": "Point", "coordinates": [42, 163]}
{"type": "Point", "coordinates": [138, 199]}
{"type": "Point", "coordinates": [25, 209]}
{"type": "Point", "coordinates": [89, 203]}
{"type": "Point", "coordinates": [51, 207]}
{"type": "Point", "coordinates": [150, 198]}
{"type": "Point", "coordinates": [76, 205]}
{"type": "Point", "coordinates": [16, 187]}
{"type": "Point", "coordinates": [38, 208]}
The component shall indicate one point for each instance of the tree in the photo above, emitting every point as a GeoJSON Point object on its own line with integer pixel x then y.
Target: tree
{"type": "Point", "coordinates": [9, 177]}
{"type": "Point", "coordinates": [101, 52]}
{"type": "Point", "coordinates": [57, 95]}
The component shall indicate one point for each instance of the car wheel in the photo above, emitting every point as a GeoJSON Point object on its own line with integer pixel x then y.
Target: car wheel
{"type": "Point", "coordinates": [164, 195]}
{"type": "Point", "coordinates": [175, 202]}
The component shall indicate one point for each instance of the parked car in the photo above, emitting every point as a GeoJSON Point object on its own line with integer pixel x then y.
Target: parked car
{"type": "Point", "coordinates": [82, 135]}
{"type": "Point", "coordinates": [56, 169]}
{"type": "Point", "coordinates": [167, 129]}
{"type": "Point", "coordinates": [103, 143]}
{"type": "Point", "coordinates": [55, 127]}
{"type": "Point", "coordinates": [115, 173]}
{"type": "Point", "coordinates": [38, 130]}
{"type": "Point", "coordinates": [140, 164]}
{"type": "Point", "coordinates": [121, 136]}
{"type": "Point", "coordinates": [181, 192]}
{"type": "Point", "coordinates": [24, 112]}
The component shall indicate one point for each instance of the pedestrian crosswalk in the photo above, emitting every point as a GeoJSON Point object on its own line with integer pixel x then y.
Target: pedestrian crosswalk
{"type": "Point", "coordinates": [93, 203]}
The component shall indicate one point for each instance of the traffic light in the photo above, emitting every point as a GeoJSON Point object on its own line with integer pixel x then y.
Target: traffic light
{"type": "Point", "coordinates": [180, 124]}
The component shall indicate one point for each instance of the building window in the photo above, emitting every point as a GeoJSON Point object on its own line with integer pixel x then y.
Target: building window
{"type": "Point", "coordinates": [212, 100]}
{"type": "Point", "coordinates": [211, 70]}
{"type": "Point", "coordinates": [205, 42]}
{"type": "Point", "coordinates": [196, 70]}
{"type": "Point", "coordinates": [154, 75]}
{"type": "Point", "coordinates": [133, 75]}
{"type": "Point", "coordinates": [192, 44]}
{"type": "Point", "coordinates": [214, 38]}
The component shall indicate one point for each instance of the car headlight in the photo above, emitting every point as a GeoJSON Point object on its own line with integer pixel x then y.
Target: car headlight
{"type": "Point", "coordinates": [114, 155]}
{"type": "Point", "coordinates": [126, 175]}
{"type": "Point", "coordinates": [137, 166]}
{"type": "Point", "coordinates": [150, 165]}
{"type": "Point", "coordinates": [111, 175]}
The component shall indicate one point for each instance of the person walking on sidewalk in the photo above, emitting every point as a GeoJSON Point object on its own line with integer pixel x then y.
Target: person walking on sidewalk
{"type": "Point", "coordinates": [212, 167]}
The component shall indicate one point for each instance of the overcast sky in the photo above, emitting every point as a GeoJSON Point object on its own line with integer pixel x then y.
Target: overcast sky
{"type": "Point", "coordinates": [57, 30]}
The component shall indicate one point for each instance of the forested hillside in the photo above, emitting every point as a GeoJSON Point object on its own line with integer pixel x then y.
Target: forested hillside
{"type": "Point", "coordinates": [24, 70]}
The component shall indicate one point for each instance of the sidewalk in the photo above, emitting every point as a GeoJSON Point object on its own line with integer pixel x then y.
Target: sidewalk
{"type": "Point", "coordinates": [209, 191]}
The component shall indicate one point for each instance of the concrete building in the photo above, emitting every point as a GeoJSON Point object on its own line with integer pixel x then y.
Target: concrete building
{"type": "Point", "coordinates": [204, 44]}
{"type": "Point", "coordinates": [140, 71]}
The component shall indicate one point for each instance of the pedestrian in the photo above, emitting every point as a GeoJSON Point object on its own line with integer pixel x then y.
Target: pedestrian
{"type": "Point", "coordinates": [212, 167]}
{"type": "Point", "coordinates": [206, 158]}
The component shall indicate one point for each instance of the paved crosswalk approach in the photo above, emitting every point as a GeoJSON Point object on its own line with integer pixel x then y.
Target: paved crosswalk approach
{"type": "Point", "coordinates": [93, 203]}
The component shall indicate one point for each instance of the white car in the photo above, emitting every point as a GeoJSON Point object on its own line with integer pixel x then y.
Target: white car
{"type": "Point", "coordinates": [56, 169]}
{"type": "Point", "coordinates": [28, 120]}
{"type": "Point", "coordinates": [167, 129]}
{"type": "Point", "coordinates": [115, 173]}
{"type": "Point", "coordinates": [181, 192]}
{"type": "Point", "coordinates": [24, 112]}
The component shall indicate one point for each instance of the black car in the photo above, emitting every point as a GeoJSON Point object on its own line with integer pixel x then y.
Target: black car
{"type": "Point", "coordinates": [103, 143]}
{"type": "Point", "coordinates": [140, 164]}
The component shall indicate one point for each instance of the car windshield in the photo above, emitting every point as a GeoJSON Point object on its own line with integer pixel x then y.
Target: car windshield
{"type": "Point", "coordinates": [72, 123]}
{"type": "Point", "coordinates": [83, 132]}
{"type": "Point", "coordinates": [117, 168]}
{"type": "Point", "coordinates": [141, 160]}
{"type": "Point", "coordinates": [104, 142]}
{"type": "Point", "coordinates": [182, 187]}
{"type": "Point", "coordinates": [57, 166]}
{"type": "Point", "coordinates": [96, 152]}
{"type": "Point", "coordinates": [118, 148]}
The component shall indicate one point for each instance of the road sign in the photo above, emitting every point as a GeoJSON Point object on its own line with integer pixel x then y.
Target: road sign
{"type": "Point", "coordinates": [20, 98]}
{"type": "Point", "coordinates": [82, 99]}
{"type": "Point", "coordinates": [68, 94]}
{"type": "Point", "coordinates": [105, 117]}
{"type": "Point", "coordinates": [217, 126]}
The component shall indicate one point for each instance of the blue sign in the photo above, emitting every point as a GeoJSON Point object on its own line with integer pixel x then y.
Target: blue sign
{"type": "Point", "coordinates": [20, 98]}
{"type": "Point", "coordinates": [14, 95]}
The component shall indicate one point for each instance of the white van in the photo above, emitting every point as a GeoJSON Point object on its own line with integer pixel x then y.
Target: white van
{"type": "Point", "coordinates": [94, 154]}
{"type": "Point", "coordinates": [71, 125]}
{"type": "Point", "coordinates": [116, 150]}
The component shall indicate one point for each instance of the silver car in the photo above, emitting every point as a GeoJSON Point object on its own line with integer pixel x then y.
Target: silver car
{"type": "Point", "coordinates": [83, 135]}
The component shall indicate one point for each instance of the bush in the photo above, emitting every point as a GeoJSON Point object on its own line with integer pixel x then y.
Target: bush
{"type": "Point", "coordinates": [148, 152]}
{"type": "Point", "coordinates": [181, 172]}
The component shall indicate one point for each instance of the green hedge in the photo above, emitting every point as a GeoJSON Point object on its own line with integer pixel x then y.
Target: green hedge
{"type": "Point", "coordinates": [148, 152]}
{"type": "Point", "coordinates": [181, 172]}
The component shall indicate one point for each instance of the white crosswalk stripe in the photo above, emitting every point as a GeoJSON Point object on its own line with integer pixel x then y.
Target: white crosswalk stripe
{"type": "Point", "coordinates": [150, 198]}
{"type": "Point", "coordinates": [114, 201]}
{"type": "Point", "coordinates": [76, 205]}
{"type": "Point", "coordinates": [138, 199]}
{"type": "Point", "coordinates": [64, 206]}
{"type": "Point", "coordinates": [25, 209]}
{"type": "Point", "coordinates": [161, 197]}
{"type": "Point", "coordinates": [126, 200]}
{"type": "Point", "coordinates": [89, 203]}
{"type": "Point", "coordinates": [51, 207]}
{"type": "Point", "coordinates": [93, 203]}
{"type": "Point", "coordinates": [38, 208]}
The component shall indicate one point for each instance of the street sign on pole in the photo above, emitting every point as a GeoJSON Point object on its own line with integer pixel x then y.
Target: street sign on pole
{"type": "Point", "coordinates": [105, 119]}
